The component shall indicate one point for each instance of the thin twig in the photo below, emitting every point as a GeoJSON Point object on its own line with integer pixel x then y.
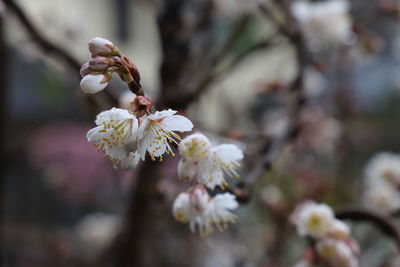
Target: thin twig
{"type": "Point", "coordinates": [38, 38]}
{"type": "Point", "coordinates": [243, 190]}
{"type": "Point", "coordinates": [363, 215]}
{"type": "Point", "coordinates": [94, 102]}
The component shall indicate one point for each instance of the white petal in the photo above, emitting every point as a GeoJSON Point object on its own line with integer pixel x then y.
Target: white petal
{"type": "Point", "coordinates": [114, 114]}
{"type": "Point", "coordinates": [144, 141]}
{"type": "Point", "coordinates": [187, 170]}
{"type": "Point", "coordinates": [180, 208]}
{"type": "Point", "coordinates": [211, 176]}
{"type": "Point", "coordinates": [219, 210]}
{"type": "Point", "coordinates": [94, 135]}
{"type": "Point", "coordinates": [92, 84]}
{"type": "Point", "coordinates": [100, 46]}
{"type": "Point", "coordinates": [162, 114]}
{"type": "Point", "coordinates": [228, 153]}
{"type": "Point", "coordinates": [177, 123]}
{"type": "Point", "coordinates": [226, 201]}
{"type": "Point", "coordinates": [122, 158]}
{"type": "Point", "coordinates": [195, 147]}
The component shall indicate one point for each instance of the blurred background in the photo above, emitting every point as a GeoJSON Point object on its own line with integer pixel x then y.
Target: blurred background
{"type": "Point", "coordinates": [62, 203]}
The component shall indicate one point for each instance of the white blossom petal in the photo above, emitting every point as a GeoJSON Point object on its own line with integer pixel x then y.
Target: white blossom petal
{"type": "Point", "coordinates": [204, 213]}
{"type": "Point", "coordinates": [93, 83]}
{"type": "Point", "coordinates": [122, 158]}
{"type": "Point", "coordinates": [116, 135]}
{"type": "Point", "coordinates": [177, 123]}
{"type": "Point", "coordinates": [210, 163]}
{"type": "Point", "coordinates": [156, 132]}
{"type": "Point", "coordinates": [100, 46]}
{"type": "Point", "coordinates": [313, 219]}
{"type": "Point", "coordinates": [187, 170]}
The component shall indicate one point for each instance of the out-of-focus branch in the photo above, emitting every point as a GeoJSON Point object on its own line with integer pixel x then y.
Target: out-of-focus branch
{"type": "Point", "coordinates": [131, 247]}
{"type": "Point", "coordinates": [363, 215]}
{"type": "Point", "coordinates": [38, 38]}
{"type": "Point", "coordinates": [218, 73]}
{"type": "Point", "coordinates": [244, 188]}
{"type": "Point", "coordinates": [3, 122]}
{"type": "Point", "coordinates": [94, 102]}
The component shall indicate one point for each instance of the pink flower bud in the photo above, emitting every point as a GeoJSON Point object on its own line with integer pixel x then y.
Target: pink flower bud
{"type": "Point", "coordinates": [85, 70]}
{"type": "Point", "coordinates": [199, 198]}
{"type": "Point", "coordinates": [94, 83]}
{"type": "Point", "coordinates": [100, 46]}
{"type": "Point", "coordinates": [100, 63]}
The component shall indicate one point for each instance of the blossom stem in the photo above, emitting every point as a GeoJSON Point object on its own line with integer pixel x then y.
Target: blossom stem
{"type": "Point", "coordinates": [136, 88]}
{"type": "Point", "coordinates": [243, 189]}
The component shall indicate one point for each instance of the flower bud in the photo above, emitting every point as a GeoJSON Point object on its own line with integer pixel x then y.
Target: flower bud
{"type": "Point", "coordinates": [339, 230]}
{"type": "Point", "coordinates": [336, 253]}
{"type": "Point", "coordinates": [85, 70]}
{"type": "Point", "coordinates": [100, 46]}
{"type": "Point", "coordinates": [199, 198]}
{"type": "Point", "coordinates": [94, 83]}
{"type": "Point", "coordinates": [100, 63]}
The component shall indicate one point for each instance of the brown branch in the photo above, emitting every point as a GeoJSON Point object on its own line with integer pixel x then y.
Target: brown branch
{"type": "Point", "coordinates": [4, 86]}
{"type": "Point", "coordinates": [217, 73]}
{"type": "Point", "coordinates": [94, 102]}
{"type": "Point", "coordinates": [243, 189]}
{"type": "Point", "coordinates": [363, 215]}
{"type": "Point", "coordinates": [38, 38]}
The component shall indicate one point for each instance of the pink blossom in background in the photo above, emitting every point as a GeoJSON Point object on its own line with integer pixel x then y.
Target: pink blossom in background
{"type": "Point", "coordinates": [70, 164]}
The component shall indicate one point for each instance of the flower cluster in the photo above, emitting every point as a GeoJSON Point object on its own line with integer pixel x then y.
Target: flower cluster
{"type": "Point", "coordinates": [206, 165]}
{"type": "Point", "coordinates": [106, 60]}
{"type": "Point", "coordinates": [202, 212]}
{"type": "Point", "coordinates": [382, 180]}
{"type": "Point", "coordinates": [333, 244]}
{"type": "Point", "coordinates": [125, 138]}
{"type": "Point", "coordinates": [324, 24]}
{"type": "Point", "coordinates": [127, 134]}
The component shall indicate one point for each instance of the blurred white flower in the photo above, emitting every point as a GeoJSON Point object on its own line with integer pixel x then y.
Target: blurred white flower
{"type": "Point", "coordinates": [320, 131]}
{"type": "Point", "coordinates": [157, 131]}
{"type": "Point", "coordinates": [125, 99]}
{"type": "Point", "coordinates": [96, 230]}
{"type": "Point", "coordinates": [339, 230]}
{"type": "Point", "coordinates": [381, 197]}
{"type": "Point", "coordinates": [115, 135]}
{"type": "Point", "coordinates": [275, 123]}
{"type": "Point", "coordinates": [324, 24]}
{"type": "Point", "coordinates": [205, 163]}
{"type": "Point", "coordinates": [272, 195]}
{"type": "Point", "coordinates": [313, 219]}
{"type": "Point", "coordinates": [124, 157]}
{"type": "Point", "coordinates": [383, 167]}
{"type": "Point", "coordinates": [204, 213]}
{"type": "Point", "coordinates": [337, 253]}
{"type": "Point", "coordinates": [94, 83]}
{"type": "Point", "coordinates": [99, 46]}
{"type": "Point", "coordinates": [314, 83]}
